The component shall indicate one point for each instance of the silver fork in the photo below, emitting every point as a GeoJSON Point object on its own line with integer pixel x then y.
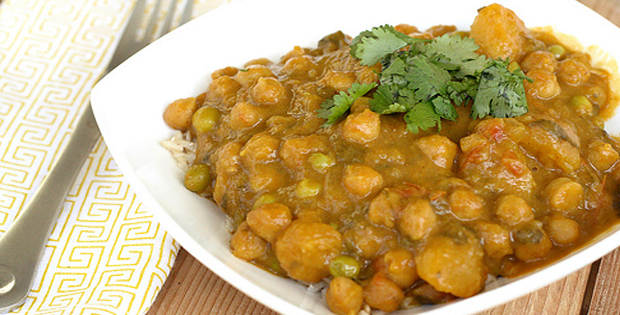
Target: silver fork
{"type": "Point", "coordinates": [23, 243]}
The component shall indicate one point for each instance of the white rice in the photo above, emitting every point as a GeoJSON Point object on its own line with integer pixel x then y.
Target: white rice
{"type": "Point", "coordinates": [182, 148]}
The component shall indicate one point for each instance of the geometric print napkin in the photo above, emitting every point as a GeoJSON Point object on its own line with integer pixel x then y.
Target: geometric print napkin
{"type": "Point", "coordinates": [106, 253]}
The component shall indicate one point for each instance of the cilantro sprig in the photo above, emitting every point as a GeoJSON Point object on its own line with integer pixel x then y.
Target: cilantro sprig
{"type": "Point", "coordinates": [426, 79]}
{"type": "Point", "coordinates": [337, 106]}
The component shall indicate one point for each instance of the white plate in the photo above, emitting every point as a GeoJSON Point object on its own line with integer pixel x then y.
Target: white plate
{"type": "Point", "coordinates": [129, 103]}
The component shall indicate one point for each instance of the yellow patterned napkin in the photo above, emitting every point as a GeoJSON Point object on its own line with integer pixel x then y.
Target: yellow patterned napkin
{"type": "Point", "coordinates": [106, 254]}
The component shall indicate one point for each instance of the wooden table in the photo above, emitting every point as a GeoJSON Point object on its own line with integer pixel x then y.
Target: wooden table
{"type": "Point", "coordinates": [192, 289]}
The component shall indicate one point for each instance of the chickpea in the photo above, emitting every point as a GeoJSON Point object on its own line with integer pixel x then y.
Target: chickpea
{"type": "Point", "coordinates": [465, 204]}
{"type": "Point", "coordinates": [418, 219]}
{"type": "Point", "coordinates": [368, 240]}
{"type": "Point", "coordinates": [440, 30]}
{"type": "Point", "coordinates": [178, 114]}
{"type": "Point", "coordinates": [602, 155]}
{"type": "Point", "coordinates": [223, 89]}
{"type": "Point", "coordinates": [495, 240]}
{"type": "Point", "coordinates": [344, 296]}
{"type": "Point", "coordinates": [561, 230]}
{"type": "Point", "coordinates": [383, 294]}
{"type": "Point", "coordinates": [307, 102]}
{"type": "Point", "coordinates": [268, 91]}
{"type": "Point", "coordinates": [512, 210]}
{"type": "Point", "coordinates": [244, 116]}
{"type": "Point", "coordinates": [294, 151]}
{"type": "Point", "coordinates": [258, 61]}
{"type": "Point", "coordinates": [269, 219]}
{"type": "Point", "coordinates": [248, 76]}
{"type": "Point", "coordinates": [198, 177]}
{"type": "Point", "coordinates": [362, 127]}
{"type": "Point", "coordinates": [301, 65]}
{"type": "Point", "coordinates": [530, 241]}
{"type": "Point", "coordinates": [297, 51]}
{"type": "Point", "coordinates": [539, 59]}
{"type": "Point", "coordinates": [573, 72]}
{"type": "Point", "coordinates": [205, 119]}
{"type": "Point", "coordinates": [339, 80]}
{"type": "Point", "coordinates": [452, 265]}
{"type": "Point", "coordinates": [228, 71]}
{"type": "Point", "coordinates": [261, 148]}
{"type": "Point", "coordinates": [304, 250]}
{"type": "Point", "coordinates": [439, 149]}
{"type": "Point", "coordinates": [228, 158]}
{"type": "Point", "coordinates": [369, 74]}
{"type": "Point", "coordinates": [545, 85]}
{"type": "Point", "coordinates": [246, 245]}
{"type": "Point", "coordinates": [564, 195]}
{"type": "Point", "coordinates": [385, 208]}
{"type": "Point", "coordinates": [361, 180]}
{"type": "Point", "coordinates": [268, 177]}
{"type": "Point", "coordinates": [406, 28]}
{"type": "Point", "coordinates": [399, 266]}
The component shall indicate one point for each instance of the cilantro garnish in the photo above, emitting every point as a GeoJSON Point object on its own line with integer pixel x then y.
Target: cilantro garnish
{"type": "Point", "coordinates": [371, 46]}
{"type": "Point", "coordinates": [428, 78]}
{"type": "Point", "coordinates": [333, 108]}
{"type": "Point", "coordinates": [500, 92]}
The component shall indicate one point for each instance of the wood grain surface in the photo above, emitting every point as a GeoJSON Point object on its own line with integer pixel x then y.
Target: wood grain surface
{"type": "Point", "coordinates": [192, 289]}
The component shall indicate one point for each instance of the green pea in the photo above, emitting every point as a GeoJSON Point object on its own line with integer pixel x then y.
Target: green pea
{"type": "Point", "coordinates": [197, 177]}
{"type": "Point", "coordinates": [205, 119]}
{"type": "Point", "coordinates": [308, 188]}
{"type": "Point", "coordinates": [320, 161]}
{"type": "Point", "coordinates": [582, 105]}
{"type": "Point", "coordinates": [557, 50]}
{"type": "Point", "coordinates": [344, 266]}
{"type": "Point", "coordinates": [264, 199]}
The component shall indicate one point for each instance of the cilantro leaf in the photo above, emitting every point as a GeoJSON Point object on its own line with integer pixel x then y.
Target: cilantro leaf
{"type": "Point", "coordinates": [334, 108]}
{"type": "Point", "coordinates": [426, 79]}
{"type": "Point", "coordinates": [421, 116]}
{"type": "Point", "coordinates": [372, 46]}
{"type": "Point", "coordinates": [500, 92]}
{"type": "Point", "coordinates": [457, 53]}
{"type": "Point", "coordinates": [444, 108]}
{"type": "Point", "coordinates": [384, 99]}
{"type": "Point", "coordinates": [462, 91]}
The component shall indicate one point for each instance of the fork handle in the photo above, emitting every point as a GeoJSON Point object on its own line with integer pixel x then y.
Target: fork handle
{"type": "Point", "coordinates": [23, 243]}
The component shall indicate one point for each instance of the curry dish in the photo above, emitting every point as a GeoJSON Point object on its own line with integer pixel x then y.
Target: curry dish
{"type": "Point", "coordinates": [392, 218]}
